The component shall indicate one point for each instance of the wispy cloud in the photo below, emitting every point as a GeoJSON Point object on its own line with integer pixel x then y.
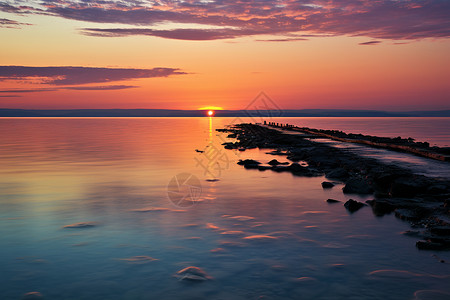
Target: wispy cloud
{"type": "Point", "coordinates": [382, 19]}
{"type": "Point", "coordinates": [60, 76]}
{"type": "Point", "coordinates": [370, 43]}
{"type": "Point", "coordinates": [177, 34]}
{"type": "Point", "coordinates": [7, 23]}
{"type": "Point", "coordinates": [283, 40]}
{"type": "Point", "coordinates": [101, 88]}
{"type": "Point", "coordinates": [26, 90]}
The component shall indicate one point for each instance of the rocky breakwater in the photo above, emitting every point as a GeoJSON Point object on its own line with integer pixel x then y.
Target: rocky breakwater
{"type": "Point", "coordinates": [420, 200]}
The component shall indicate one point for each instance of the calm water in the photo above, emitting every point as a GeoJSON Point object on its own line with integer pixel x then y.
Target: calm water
{"type": "Point", "coordinates": [260, 235]}
{"type": "Point", "coordinates": [433, 130]}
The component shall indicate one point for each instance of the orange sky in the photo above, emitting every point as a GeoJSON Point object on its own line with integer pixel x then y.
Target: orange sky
{"type": "Point", "coordinates": [332, 69]}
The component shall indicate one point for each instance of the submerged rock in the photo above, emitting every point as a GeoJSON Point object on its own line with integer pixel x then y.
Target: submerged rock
{"type": "Point", "coordinates": [140, 259]}
{"type": "Point", "coordinates": [32, 296]}
{"type": "Point", "coordinates": [352, 205]}
{"type": "Point", "coordinates": [81, 225]}
{"type": "Point", "coordinates": [192, 274]}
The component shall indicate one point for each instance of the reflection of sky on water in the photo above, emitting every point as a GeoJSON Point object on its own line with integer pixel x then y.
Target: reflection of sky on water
{"type": "Point", "coordinates": [257, 233]}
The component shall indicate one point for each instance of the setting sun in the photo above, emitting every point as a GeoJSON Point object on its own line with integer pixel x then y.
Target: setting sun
{"type": "Point", "coordinates": [210, 113]}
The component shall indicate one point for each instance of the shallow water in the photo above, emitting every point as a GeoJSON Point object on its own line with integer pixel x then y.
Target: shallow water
{"type": "Point", "coordinates": [433, 130]}
{"type": "Point", "coordinates": [256, 233]}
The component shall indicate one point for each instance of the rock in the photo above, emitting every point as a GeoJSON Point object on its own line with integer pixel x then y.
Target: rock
{"type": "Point", "coordinates": [299, 170]}
{"type": "Point", "coordinates": [352, 205]}
{"type": "Point", "coordinates": [437, 189]}
{"type": "Point", "coordinates": [406, 214]}
{"type": "Point", "coordinates": [381, 207]}
{"type": "Point", "coordinates": [333, 201]}
{"type": "Point", "coordinates": [263, 168]}
{"type": "Point", "coordinates": [32, 296]}
{"type": "Point", "coordinates": [339, 173]}
{"type": "Point", "coordinates": [414, 233]}
{"type": "Point", "coordinates": [428, 245]}
{"type": "Point", "coordinates": [357, 186]}
{"type": "Point", "coordinates": [327, 185]}
{"type": "Point", "coordinates": [280, 168]}
{"type": "Point", "coordinates": [275, 162]}
{"type": "Point", "coordinates": [408, 187]}
{"type": "Point", "coordinates": [440, 230]}
{"type": "Point", "coordinates": [447, 203]}
{"type": "Point", "coordinates": [248, 162]}
{"type": "Point", "coordinates": [192, 274]}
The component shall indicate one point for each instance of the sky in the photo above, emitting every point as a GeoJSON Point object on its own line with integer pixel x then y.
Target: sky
{"type": "Point", "coordinates": [358, 54]}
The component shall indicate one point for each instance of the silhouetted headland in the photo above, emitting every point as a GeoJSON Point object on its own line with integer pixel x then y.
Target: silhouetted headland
{"type": "Point", "coordinates": [423, 201]}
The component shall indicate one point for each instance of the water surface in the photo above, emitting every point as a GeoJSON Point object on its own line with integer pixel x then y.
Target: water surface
{"type": "Point", "coordinates": [258, 234]}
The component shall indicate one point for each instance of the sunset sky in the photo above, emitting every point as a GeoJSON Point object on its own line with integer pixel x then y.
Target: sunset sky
{"type": "Point", "coordinates": [356, 54]}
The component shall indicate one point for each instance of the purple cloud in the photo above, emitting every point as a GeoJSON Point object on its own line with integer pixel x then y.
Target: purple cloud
{"type": "Point", "coordinates": [80, 75]}
{"type": "Point", "coordinates": [7, 23]}
{"type": "Point", "coordinates": [177, 34]}
{"type": "Point", "coordinates": [370, 43]}
{"type": "Point", "coordinates": [382, 19]}
{"type": "Point", "coordinates": [283, 40]}
{"type": "Point", "coordinates": [101, 88]}
{"type": "Point", "coordinates": [27, 90]}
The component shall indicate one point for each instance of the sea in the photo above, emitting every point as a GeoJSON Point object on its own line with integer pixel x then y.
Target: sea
{"type": "Point", "coordinates": [114, 208]}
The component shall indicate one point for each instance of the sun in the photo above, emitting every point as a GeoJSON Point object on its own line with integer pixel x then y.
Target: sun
{"type": "Point", "coordinates": [210, 113]}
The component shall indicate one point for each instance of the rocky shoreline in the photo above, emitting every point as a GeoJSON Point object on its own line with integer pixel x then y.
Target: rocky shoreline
{"type": "Point", "coordinates": [420, 200]}
{"type": "Point", "coordinates": [408, 145]}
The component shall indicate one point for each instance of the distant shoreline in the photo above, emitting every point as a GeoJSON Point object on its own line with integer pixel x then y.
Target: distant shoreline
{"type": "Point", "coordinates": [108, 113]}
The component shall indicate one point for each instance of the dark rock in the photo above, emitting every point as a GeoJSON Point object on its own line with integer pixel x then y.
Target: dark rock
{"type": "Point", "coordinates": [357, 186]}
{"type": "Point", "coordinates": [437, 189]}
{"type": "Point", "coordinates": [447, 203]}
{"type": "Point", "coordinates": [327, 185]}
{"type": "Point", "coordinates": [249, 163]}
{"type": "Point", "coordinates": [428, 245]}
{"type": "Point", "coordinates": [281, 168]}
{"type": "Point", "coordinates": [339, 173]}
{"type": "Point", "coordinates": [408, 187]}
{"type": "Point", "coordinates": [381, 207]}
{"type": "Point", "coordinates": [407, 214]}
{"type": "Point", "coordinates": [295, 167]}
{"type": "Point", "coordinates": [413, 233]}
{"type": "Point", "coordinates": [440, 230]}
{"type": "Point", "coordinates": [275, 162]}
{"type": "Point", "coordinates": [333, 201]}
{"type": "Point", "coordinates": [352, 205]}
{"type": "Point", "coordinates": [263, 168]}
